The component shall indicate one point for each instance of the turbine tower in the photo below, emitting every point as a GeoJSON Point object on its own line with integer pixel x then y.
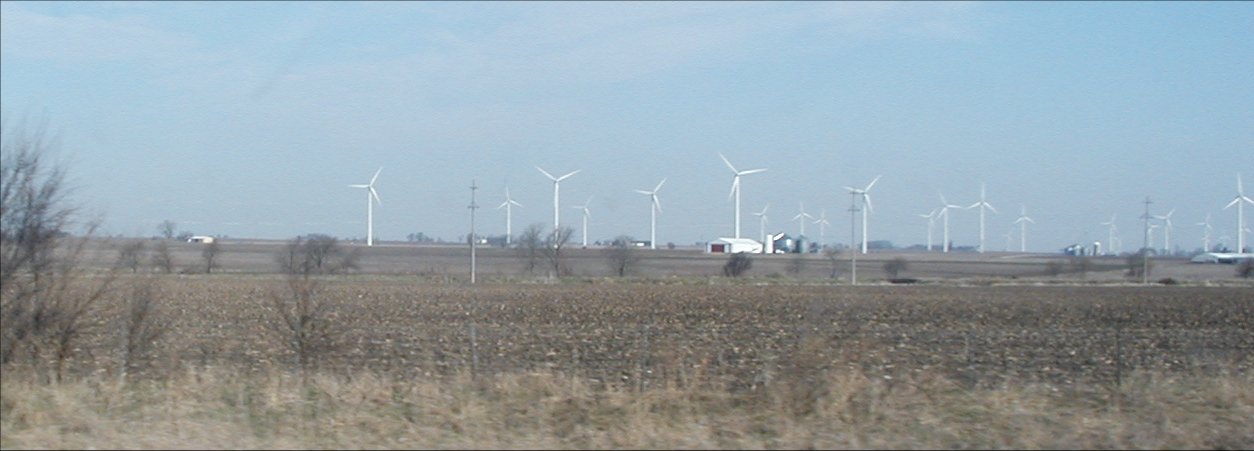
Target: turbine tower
{"type": "Point", "coordinates": [762, 219]}
{"type": "Point", "coordinates": [1112, 230]}
{"type": "Point", "coordinates": [654, 208]}
{"type": "Point", "coordinates": [1167, 226]}
{"type": "Point", "coordinates": [508, 205]}
{"type": "Point", "coordinates": [866, 201]}
{"type": "Point", "coordinates": [801, 218]}
{"type": "Point", "coordinates": [586, 213]}
{"type": "Point", "coordinates": [1023, 228]}
{"type": "Point", "coordinates": [931, 223]}
{"type": "Point", "coordinates": [735, 189]}
{"type": "Point", "coordinates": [370, 192]}
{"type": "Point", "coordinates": [982, 205]}
{"type": "Point", "coordinates": [557, 181]}
{"type": "Point", "coordinates": [822, 222]}
{"type": "Point", "coordinates": [1206, 231]}
{"type": "Point", "coordinates": [1240, 200]}
{"type": "Point", "coordinates": [944, 211]}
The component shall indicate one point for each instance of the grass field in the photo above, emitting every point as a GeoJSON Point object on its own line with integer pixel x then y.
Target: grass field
{"type": "Point", "coordinates": [989, 352]}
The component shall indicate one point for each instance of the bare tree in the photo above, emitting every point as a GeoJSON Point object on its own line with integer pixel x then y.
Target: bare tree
{"type": "Point", "coordinates": [621, 255]}
{"type": "Point", "coordinates": [167, 229]}
{"type": "Point", "coordinates": [1245, 269]}
{"type": "Point", "coordinates": [131, 254]}
{"type": "Point", "coordinates": [554, 251]}
{"type": "Point", "coordinates": [737, 264]}
{"type": "Point", "coordinates": [895, 266]}
{"type": "Point", "coordinates": [161, 258]}
{"type": "Point", "coordinates": [797, 264]}
{"type": "Point", "coordinates": [833, 257]}
{"type": "Point", "coordinates": [44, 303]}
{"type": "Point", "coordinates": [142, 326]}
{"type": "Point", "coordinates": [316, 254]}
{"type": "Point", "coordinates": [530, 247]}
{"type": "Point", "coordinates": [210, 254]}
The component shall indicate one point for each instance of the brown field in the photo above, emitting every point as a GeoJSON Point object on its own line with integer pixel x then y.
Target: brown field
{"type": "Point", "coordinates": [990, 352]}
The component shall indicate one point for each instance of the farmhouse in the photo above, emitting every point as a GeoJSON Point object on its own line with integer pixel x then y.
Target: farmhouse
{"type": "Point", "coordinates": [200, 239]}
{"type": "Point", "coordinates": [733, 246]}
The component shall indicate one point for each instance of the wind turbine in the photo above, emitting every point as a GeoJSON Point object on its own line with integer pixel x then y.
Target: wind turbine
{"type": "Point", "coordinates": [1240, 200]}
{"type": "Point", "coordinates": [556, 187]}
{"type": "Point", "coordinates": [735, 189]}
{"type": "Point", "coordinates": [931, 223]}
{"type": "Point", "coordinates": [866, 200]}
{"type": "Point", "coordinates": [1112, 230]}
{"type": "Point", "coordinates": [1206, 231]}
{"type": "Point", "coordinates": [801, 218]}
{"type": "Point", "coordinates": [1166, 230]}
{"type": "Point", "coordinates": [822, 222]}
{"type": "Point", "coordinates": [762, 219]}
{"type": "Point", "coordinates": [982, 205]}
{"type": "Point", "coordinates": [586, 213]}
{"type": "Point", "coordinates": [654, 208]}
{"type": "Point", "coordinates": [944, 211]}
{"type": "Point", "coordinates": [1023, 228]}
{"type": "Point", "coordinates": [508, 205]}
{"type": "Point", "coordinates": [370, 192]}
{"type": "Point", "coordinates": [1150, 232]}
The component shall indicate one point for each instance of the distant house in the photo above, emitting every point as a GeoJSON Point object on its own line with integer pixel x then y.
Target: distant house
{"type": "Point", "coordinates": [200, 239]}
{"type": "Point", "coordinates": [733, 246]}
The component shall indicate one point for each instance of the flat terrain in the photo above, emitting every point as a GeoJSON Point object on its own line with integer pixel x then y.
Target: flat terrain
{"type": "Point", "coordinates": [452, 263]}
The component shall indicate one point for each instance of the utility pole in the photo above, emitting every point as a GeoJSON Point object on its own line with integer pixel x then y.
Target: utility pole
{"type": "Point", "coordinates": [473, 206]}
{"type": "Point", "coordinates": [1145, 247]}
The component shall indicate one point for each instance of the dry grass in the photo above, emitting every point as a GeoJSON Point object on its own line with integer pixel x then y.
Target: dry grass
{"type": "Point", "coordinates": [221, 409]}
{"type": "Point", "coordinates": [643, 365]}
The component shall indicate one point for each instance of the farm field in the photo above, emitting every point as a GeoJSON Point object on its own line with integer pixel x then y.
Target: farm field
{"type": "Point", "coordinates": [690, 362]}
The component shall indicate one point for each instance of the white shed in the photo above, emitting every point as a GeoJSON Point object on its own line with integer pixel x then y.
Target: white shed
{"type": "Point", "coordinates": [200, 239]}
{"type": "Point", "coordinates": [733, 246]}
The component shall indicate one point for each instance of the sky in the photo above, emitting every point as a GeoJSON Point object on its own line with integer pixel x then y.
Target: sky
{"type": "Point", "coordinates": [250, 119]}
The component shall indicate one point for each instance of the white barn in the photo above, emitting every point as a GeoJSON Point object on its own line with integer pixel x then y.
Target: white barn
{"type": "Point", "coordinates": [733, 246]}
{"type": "Point", "coordinates": [200, 239]}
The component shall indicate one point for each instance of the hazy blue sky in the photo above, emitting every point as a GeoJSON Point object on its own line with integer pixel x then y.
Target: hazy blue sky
{"type": "Point", "coordinates": [250, 119]}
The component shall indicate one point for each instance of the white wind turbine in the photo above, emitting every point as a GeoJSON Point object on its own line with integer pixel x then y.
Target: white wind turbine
{"type": "Point", "coordinates": [822, 222]}
{"type": "Point", "coordinates": [1150, 234]}
{"type": "Point", "coordinates": [1167, 226]}
{"type": "Point", "coordinates": [508, 205]}
{"type": "Point", "coordinates": [586, 214]}
{"type": "Point", "coordinates": [1240, 200]}
{"type": "Point", "coordinates": [1206, 231]}
{"type": "Point", "coordinates": [762, 219]}
{"type": "Point", "coordinates": [1023, 228]}
{"type": "Point", "coordinates": [944, 211]}
{"type": "Point", "coordinates": [654, 208]}
{"type": "Point", "coordinates": [1112, 230]}
{"type": "Point", "coordinates": [866, 201]}
{"type": "Point", "coordinates": [931, 223]}
{"type": "Point", "coordinates": [370, 192]}
{"type": "Point", "coordinates": [982, 205]}
{"type": "Point", "coordinates": [556, 187]}
{"type": "Point", "coordinates": [735, 189]}
{"type": "Point", "coordinates": [801, 218]}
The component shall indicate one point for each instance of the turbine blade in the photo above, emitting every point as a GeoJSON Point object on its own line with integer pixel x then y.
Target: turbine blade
{"type": "Point", "coordinates": [643, 191]}
{"type": "Point", "coordinates": [868, 187]}
{"type": "Point", "coordinates": [729, 165]}
{"type": "Point", "coordinates": [990, 207]}
{"type": "Point", "coordinates": [659, 185]}
{"type": "Point", "coordinates": [568, 175]}
{"type": "Point", "coordinates": [735, 186]}
{"type": "Point", "coordinates": [866, 199]}
{"type": "Point", "coordinates": [516, 204]}
{"type": "Point", "coordinates": [376, 175]}
{"type": "Point", "coordinates": [503, 204]}
{"type": "Point", "coordinates": [657, 203]}
{"type": "Point", "coordinates": [358, 186]}
{"type": "Point", "coordinates": [547, 174]}
{"type": "Point", "coordinates": [752, 171]}
{"type": "Point", "coordinates": [376, 196]}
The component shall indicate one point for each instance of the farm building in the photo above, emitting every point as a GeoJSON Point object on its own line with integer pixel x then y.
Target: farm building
{"type": "Point", "coordinates": [200, 239]}
{"type": "Point", "coordinates": [1221, 257]}
{"type": "Point", "coordinates": [733, 246]}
